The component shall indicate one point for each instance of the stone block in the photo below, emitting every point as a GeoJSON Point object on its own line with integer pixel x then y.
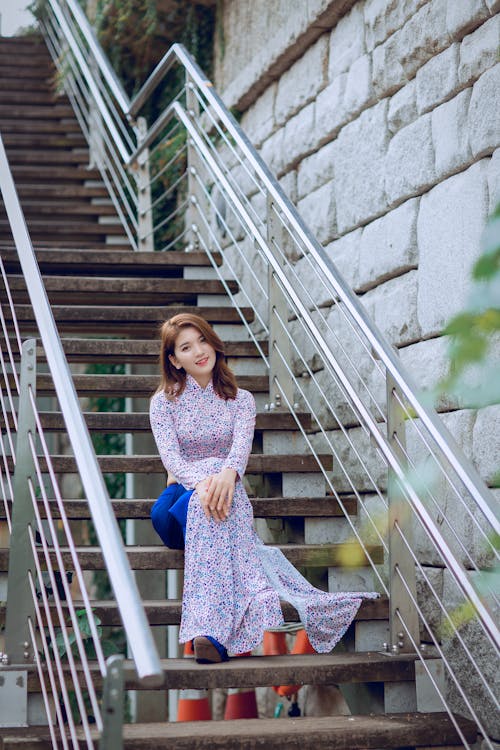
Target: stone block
{"type": "Point", "coordinates": [389, 245]}
{"type": "Point", "coordinates": [482, 659]}
{"type": "Point", "coordinates": [355, 579]}
{"type": "Point", "coordinates": [258, 121]}
{"type": "Point", "coordinates": [327, 531]}
{"type": "Point", "coordinates": [330, 114]}
{"type": "Point", "coordinates": [346, 42]}
{"type": "Point", "coordinates": [429, 584]}
{"type": "Point", "coordinates": [344, 252]}
{"type": "Point", "coordinates": [279, 442]}
{"type": "Point", "coordinates": [301, 83]}
{"type": "Point", "coordinates": [462, 17]}
{"type": "Point", "coordinates": [409, 166]}
{"type": "Point", "coordinates": [393, 307]}
{"type": "Point", "coordinates": [479, 51]}
{"type": "Point", "coordinates": [437, 80]}
{"type": "Point", "coordinates": [494, 181]}
{"type": "Point", "coordinates": [303, 485]}
{"type": "Point", "coordinates": [311, 287]}
{"type": "Point", "coordinates": [316, 169]}
{"type": "Point", "coordinates": [360, 157]}
{"type": "Point", "coordinates": [370, 636]}
{"type": "Point", "coordinates": [484, 123]}
{"type": "Point", "coordinates": [299, 136]}
{"type": "Point", "coordinates": [402, 107]}
{"type": "Point", "coordinates": [450, 510]}
{"type": "Point", "coordinates": [318, 211]}
{"type": "Point", "coordinates": [358, 92]}
{"type": "Point", "coordinates": [486, 442]}
{"type": "Point", "coordinates": [430, 687]}
{"type": "Point", "coordinates": [450, 135]}
{"type": "Point", "coordinates": [289, 184]}
{"type": "Point", "coordinates": [428, 363]}
{"type": "Point", "coordinates": [383, 18]}
{"type": "Point", "coordinates": [423, 36]}
{"type": "Point", "coordinates": [272, 151]}
{"type": "Point", "coordinates": [450, 222]}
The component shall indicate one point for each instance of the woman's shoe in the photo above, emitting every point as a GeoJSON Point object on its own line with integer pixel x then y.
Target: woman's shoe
{"type": "Point", "coordinates": [209, 651]}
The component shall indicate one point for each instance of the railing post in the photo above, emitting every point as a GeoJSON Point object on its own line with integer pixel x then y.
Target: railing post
{"type": "Point", "coordinates": [145, 215]}
{"type": "Point", "coordinates": [96, 143]}
{"type": "Point", "coordinates": [401, 563]}
{"type": "Point", "coordinates": [20, 606]}
{"type": "Point", "coordinates": [112, 705]}
{"type": "Point", "coordinates": [278, 309]}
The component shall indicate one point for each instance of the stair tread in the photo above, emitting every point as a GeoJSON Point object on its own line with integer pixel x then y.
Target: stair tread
{"type": "Point", "coordinates": [357, 732]}
{"type": "Point", "coordinates": [134, 316]}
{"type": "Point", "coordinates": [263, 507]}
{"type": "Point", "coordinates": [133, 385]}
{"type": "Point", "coordinates": [168, 611]}
{"type": "Point", "coordinates": [139, 421]}
{"type": "Point", "coordinates": [159, 557]}
{"type": "Point", "coordinates": [107, 290]}
{"type": "Point", "coordinates": [151, 464]}
{"type": "Point", "coordinates": [57, 261]}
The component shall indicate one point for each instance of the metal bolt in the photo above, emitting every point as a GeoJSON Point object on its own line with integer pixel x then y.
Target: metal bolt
{"type": "Point", "coordinates": [395, 649]}
{"type": "Point", "coordinates": [26, 654]}
{"type": "Point", "coordinates": [423, 647]}
{"type": "Point", "coordinates": [5, 659]}
{"type": "Point", "coordinates": [272, 405]}
{"type": "Point", "coordinates": [278, 399]}
{"type": "Point", "coordinates": [296, 406]}
{"type": "Point", "coordinates": [193, 199]}
{"type": "Point", "coordinates": [385, 646]}
{"type": "Point", "coordinates": [401, 636]}
{"type": "Point", "coordinates": [266, 407]}
{"type": "Point", "coordinates": [194, 228]}
{"type": "Point", "coordinates": [26, 644]}
{"type": "Point", "coordinates": [400, 644]}
{"type": "Point", "coordinates": [192, 170]}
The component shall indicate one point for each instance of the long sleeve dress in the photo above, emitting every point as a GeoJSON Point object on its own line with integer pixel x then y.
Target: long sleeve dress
{"type": "Point", "coordinates": [232, 582]}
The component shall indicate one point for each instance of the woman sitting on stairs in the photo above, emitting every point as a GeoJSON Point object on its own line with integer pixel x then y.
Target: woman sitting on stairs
{"type": "Point", "coordinates": [203, 425]}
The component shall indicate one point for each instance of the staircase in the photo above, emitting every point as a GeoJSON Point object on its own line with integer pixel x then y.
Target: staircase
{"type": "Point", "coordinates": [107, 302]}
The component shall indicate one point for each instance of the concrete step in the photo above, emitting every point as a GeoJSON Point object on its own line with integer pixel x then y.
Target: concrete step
{"type": "Point", "coordinates": [168, 611]}
{"type": "Point", "coordinates": [95, 290]}
{"type": "Point", "coordinates": [151, 464]}
{"type": "Point", "coordinates": [118, 321]}
{"type": "Point", "coordinates": [111, 262]}
{"type": "Point", "coordinates": [361, 732]}
{"type": "Point", "coordinates": [263, 507]}
{"type": "Point", "coordinates": [159, 557]}
{"type": "Point", "coordinates": [133, 386]}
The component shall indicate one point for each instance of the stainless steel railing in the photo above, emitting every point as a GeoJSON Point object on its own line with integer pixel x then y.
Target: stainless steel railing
{"type": "Point", "coordinates": [42, 548]}
{"type": "Point", "coordinates": [203, 185]}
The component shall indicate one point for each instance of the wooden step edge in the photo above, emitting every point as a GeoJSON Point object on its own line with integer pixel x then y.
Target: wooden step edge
{"type": "Point", "coordinates": [367, 732]}
{"type": "Point", "coordinates": [158, 557]}
{"type": "Point", "coordinates": [263, 507]}
{"type": "Point", "coordinates": [168, 611]}
{"type": "Point", "coordinates": [111, 261]}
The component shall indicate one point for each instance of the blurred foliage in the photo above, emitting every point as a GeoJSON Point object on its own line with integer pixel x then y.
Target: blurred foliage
{"type": "Point", "coordinates": [474, 371]}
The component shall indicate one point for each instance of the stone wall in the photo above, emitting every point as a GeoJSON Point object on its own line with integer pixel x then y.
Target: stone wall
{"type": "Point", "coordinates": [381, 120]}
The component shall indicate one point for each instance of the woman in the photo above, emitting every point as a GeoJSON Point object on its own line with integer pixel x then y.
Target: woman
{"type": "Point", "coordinates": [203, 426]}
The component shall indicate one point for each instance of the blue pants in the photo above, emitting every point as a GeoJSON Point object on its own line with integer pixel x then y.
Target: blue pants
{"type": "Point", "coordinates": [169, 515]}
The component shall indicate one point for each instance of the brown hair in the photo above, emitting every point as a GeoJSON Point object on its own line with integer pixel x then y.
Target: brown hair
{"type": "Point", "coordinates": [173, 381]}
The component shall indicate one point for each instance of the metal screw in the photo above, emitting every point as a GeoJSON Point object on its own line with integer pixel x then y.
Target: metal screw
{"type": "Point", "coordinates": [26, 644]}
{"type": "Point", "coordinates": [5, 659]}
{"type": "Point", "coordinates": [296, 406]}
{"type": "Point", "coordinates": [401, 636]}
{"type": "Point", "coordinates": [385, 646]}
{"type": "Point", "coordinates": [272, 405]}
{"type": "Point", "coordinates": [278, 399]}
{"type": "Point", "coordinates": [423, 647]}
{"type": "Point", "coordinates": [400, 644]}
{"type": "Point", "coordinates": [26, 654]}
{"type": "Point", "coordinates": [192, 170]}
{"type": "Point", "coordinates": [266, 407]}
{"type": "Point", "coordinates": [395, 649]}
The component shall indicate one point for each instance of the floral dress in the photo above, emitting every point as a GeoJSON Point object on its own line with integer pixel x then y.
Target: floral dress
{"type": "Point", "coordinates": [232, 582]}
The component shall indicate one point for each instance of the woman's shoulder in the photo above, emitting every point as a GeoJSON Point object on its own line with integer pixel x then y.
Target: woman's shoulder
{"type": "Point", "coordinates": [160, 402]}
{"type": "Point", "coordinates": [244, 398]}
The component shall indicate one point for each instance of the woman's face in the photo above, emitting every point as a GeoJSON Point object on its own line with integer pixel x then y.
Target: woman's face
{"type": "Point", "coordinates": [194, 354]}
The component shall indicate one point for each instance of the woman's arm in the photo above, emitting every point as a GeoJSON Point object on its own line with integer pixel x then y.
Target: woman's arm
{"type": "Point", "coordinates": [218, 498]}
{"type": "Point", "coordinates": [188, 473]}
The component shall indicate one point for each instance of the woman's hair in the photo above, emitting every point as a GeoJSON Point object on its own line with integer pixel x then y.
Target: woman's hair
{"type": "Point", "coordinates": [173, 381]}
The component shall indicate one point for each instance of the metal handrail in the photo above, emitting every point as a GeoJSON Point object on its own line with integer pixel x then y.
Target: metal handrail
{"type": "Point", "coordinates": [458, 571]}
{"type": "Point", "coordinates": [457, 459]}
{"type": "Point", "coordinates": [100, 57]}
{"type": "Point", "coordinates": [122, 580]}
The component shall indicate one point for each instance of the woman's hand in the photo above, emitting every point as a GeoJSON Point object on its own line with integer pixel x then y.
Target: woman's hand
{"type": "Point", "coordinates": [216, 496]}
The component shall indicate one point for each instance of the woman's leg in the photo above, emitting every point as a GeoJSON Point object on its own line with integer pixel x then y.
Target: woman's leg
{"type": "Point", "coordinates": [164, 523]}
